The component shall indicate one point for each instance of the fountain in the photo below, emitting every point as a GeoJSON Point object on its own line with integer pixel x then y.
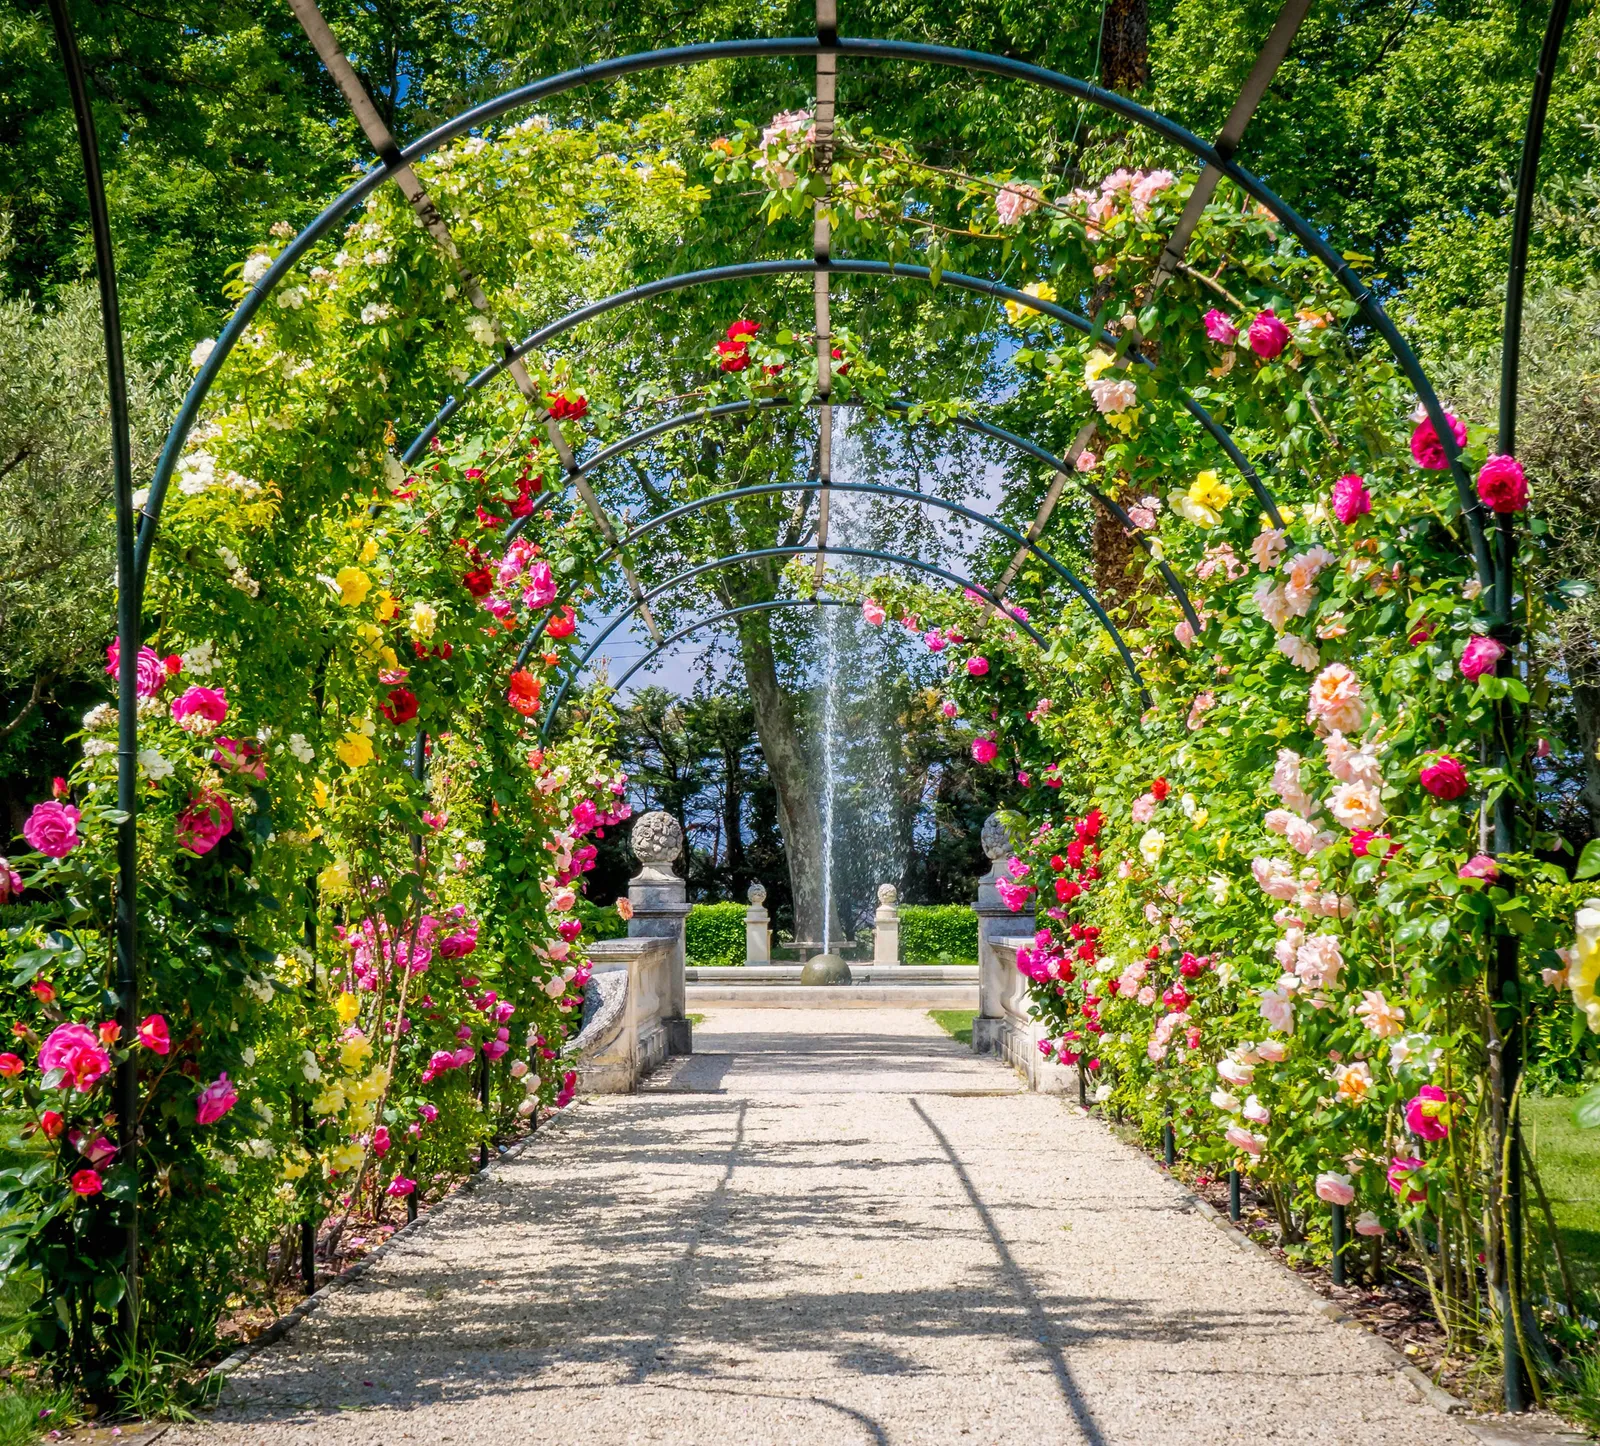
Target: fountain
{"type": "Point", "coordinates": [828, 967]}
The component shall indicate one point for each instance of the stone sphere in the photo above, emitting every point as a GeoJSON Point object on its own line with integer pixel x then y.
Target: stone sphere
{"type": "Point", "coordinates": [657, 838]}
{"type": "Point", "coordinates": [757, 894]}
{"type": "Point", "coordinates": [996, 838]}
{"type": "Point", "coordinates": [888, 894]}
{"type": "Point", "coordinates": [825, 969]}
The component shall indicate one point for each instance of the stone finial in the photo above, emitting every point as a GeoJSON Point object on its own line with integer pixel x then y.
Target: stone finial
{"type": "Point", "coordinates": [657, 839]}
{"type": "Point", "coordinates": [757, 894]}
{"type": "Point", "coordinates": [996, 838]}
{"type": "Point", "coordinates": [888, 895]}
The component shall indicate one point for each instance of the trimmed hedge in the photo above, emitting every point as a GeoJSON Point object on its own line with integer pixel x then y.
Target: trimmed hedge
{"type": "Point", "coordinates": [938, 934]}
{"type": "Point", "coordinates": [713, 934]}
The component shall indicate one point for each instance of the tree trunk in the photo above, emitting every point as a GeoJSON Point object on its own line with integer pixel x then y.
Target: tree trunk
{"type": "Point", "coordinates": [1125, 47]}
{"type": "Point", "coordinates": [799, 817]}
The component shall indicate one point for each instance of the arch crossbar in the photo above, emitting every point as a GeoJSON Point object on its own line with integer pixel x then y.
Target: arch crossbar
{"type": "Point", "coordinates": [762, 489]}
{"type": "Point", "coordinates": [893, 271]}
{"type": "Point", "coordinates": [771, 605]}
{"type": "Point", "coordinates": [794, 549]}
{"type": "Point", "coordinates": [972, 424]}
{"type": "Point", "coordinates": [1368, 307]}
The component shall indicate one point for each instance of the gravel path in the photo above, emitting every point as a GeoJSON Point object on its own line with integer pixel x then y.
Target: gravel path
{"type": "Point", "coordinates": [825, 1227]}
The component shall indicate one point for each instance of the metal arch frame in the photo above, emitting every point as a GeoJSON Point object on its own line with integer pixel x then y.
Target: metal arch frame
{"type": "Point", "coordinates": [756, 607]}
{"type": "Point", "coordinates": [793, 549]}
{"type": "Point", "coordinates": [1368, 306]}
{"type": "Point", "coordinates": [627, 444]}
{"type": "Point", "coordinates": [878, 489]}
{"type": "Point", "coordinates": [748, 270]}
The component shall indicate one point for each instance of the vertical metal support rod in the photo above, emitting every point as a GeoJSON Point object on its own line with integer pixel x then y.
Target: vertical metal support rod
{"type": "Point", "coordinates": [128, 640]}
{"type": "Point", "coordinates": [308, 1226]}
{"type": "Point", "coordinates": [1169, 1144]}
{"type": "Point", "coordinates": [483, 1099]}
{"type": "Point", "coordinates": [1083, 1085]}
{"type": "Point", "coordinates": [1233, 1195]}
{"type": "Point", "coordinates": [411, 1199]}
{"type": "Point", "coordinates": [1338, 1244]}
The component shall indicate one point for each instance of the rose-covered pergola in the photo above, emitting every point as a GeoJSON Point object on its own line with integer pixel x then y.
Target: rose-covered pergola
{"type": "Point", "coordinates": [1491, 536]}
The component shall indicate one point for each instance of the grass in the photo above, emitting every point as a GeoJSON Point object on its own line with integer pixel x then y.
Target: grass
{"type": "Point", "coordinates": [957, 1023]}
{"type": "Point", "coordinates": [1569, 1167]}
{"type": "Point", "coordinates": [26, 1414]}
{"type": "Point", "coordinates": [697, 1019]}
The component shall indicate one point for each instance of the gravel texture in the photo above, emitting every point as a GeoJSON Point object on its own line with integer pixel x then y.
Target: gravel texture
{"type": "Point", "coordinates": [825, 1227]}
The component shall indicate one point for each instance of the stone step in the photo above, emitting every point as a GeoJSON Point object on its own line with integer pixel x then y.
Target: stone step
{"type": "Point", "coordinates": [834, 996]}
{"type": "Point", "coordinates": [744, 976]}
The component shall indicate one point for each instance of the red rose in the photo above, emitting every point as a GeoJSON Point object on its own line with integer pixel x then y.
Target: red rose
{"type": "Point", "coordinates": [479, 581]}
{"type": "Point", "coordinates": [1160, 789]}
{"type": "Point", "coordinates": [562, 625]}
{"type": "Point", "coordinates": [10, 1065]}
{"type": "Point", "coordinates": [86, 1182]}
{"type": "Point", "coordinates": [1502, 486]}
{"type": "Point", "coordinates": [401, 707]}
{"type": "Point", "coordinates": [743, 328]}
{"type": "Point", "coordinates": [735, 357]}
{"type": "Point", "coordinates": [523, 692]}
{"type": "Point", "coordinates": [1444, 777]}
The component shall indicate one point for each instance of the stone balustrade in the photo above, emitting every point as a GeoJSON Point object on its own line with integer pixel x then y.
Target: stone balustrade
{"type": "Point", "coordinates": [635, 1008]}
{"type": "Point", "coordinates": [1003, 1026]}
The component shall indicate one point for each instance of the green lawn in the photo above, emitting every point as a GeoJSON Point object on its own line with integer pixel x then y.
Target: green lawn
{"type": "Point", "coordinates": [1569, 1165]}
{"type": "Point", "coordinates": [957, 1023]}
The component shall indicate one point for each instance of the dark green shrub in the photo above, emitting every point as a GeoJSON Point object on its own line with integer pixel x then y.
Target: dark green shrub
{"type": "Point", "coordinates": [938, 934]}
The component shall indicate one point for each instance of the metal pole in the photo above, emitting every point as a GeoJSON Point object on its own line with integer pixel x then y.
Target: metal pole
{"type": "Point", "coordinates": [1083, 1085]}
{"type": "Point", "coordinates": [483, 1099]}
{"type": "Point", "coordinates": [1233, 1195]}
{"type": "Point", "coordinates": [1338, 1244]}
{"type": "Point", "coordinates": [308, 1226]}
{"type": "Point", "coordinates": [1169, 1145]}
{"type": "Point", "coordinates": [127, 1082]}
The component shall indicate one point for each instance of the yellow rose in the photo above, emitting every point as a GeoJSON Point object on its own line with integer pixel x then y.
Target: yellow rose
{"type": "Point", "coordinates": [346, 1007]}
{"type": "Point", "coordinates": [1211, 491]}
{"type": "Point", "coordinates": [354, 585]}
{"type": "Point", "coordinates": [386, 607]}
{"type": "Point", "coordinates": [1096, 364]}
{"type": "Point", "coordinates": [355, 750]}
{"type": "Point", "coordinates": [1017, 310]}
{"type": "Point", "coordinates": [369, 549]}
{"type": "Point", "coordinates": [354, 1051]}
{"type": "Point", "coordinates": [424, 620]}
{"type": "Point", "coordinates": [329, 1102]}
{"type": "Point", "coordinates": [296, 1165]}
{"type": "Point", "coordinates": [346, 1157]}
{"type": "Point", "coordinates": [319, 793]}
{"type": "Point", "coordinates": [334, 881]}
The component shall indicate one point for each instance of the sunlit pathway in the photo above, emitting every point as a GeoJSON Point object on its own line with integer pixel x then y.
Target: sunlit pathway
{"type": "Point", "coordinates": [825, 1227]}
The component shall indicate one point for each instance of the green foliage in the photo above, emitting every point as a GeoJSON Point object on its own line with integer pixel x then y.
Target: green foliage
{"type": "Point", "coordinates": [938, 934]}
{"type": "Point", "coordinates": [27, 1413]}
{"type": "Point", "coordinates": [957, 1023]}
{"type": "Point", "coordinates": [601, 921]}
{"type": "Point", "coordinates": [714, 934]}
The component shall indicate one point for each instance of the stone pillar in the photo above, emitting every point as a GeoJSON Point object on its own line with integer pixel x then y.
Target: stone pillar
{"type": "Point", "coordinates": [660, 906]}
{"type": "Point", "coordinates": [886, 926]}
{"type": "Point", "coordinates": [757, 935]}
{"type": "Point", "coordinates": [995, 921]}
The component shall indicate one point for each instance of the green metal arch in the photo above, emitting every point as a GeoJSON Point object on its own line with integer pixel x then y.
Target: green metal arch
{"type": "Point", "coordinates": [792, 550]}
{"type": "Point", "coordinates": [749, 270]}
{"type": "Point", "coordinates": [627, 444]}
{"type": "Point", "coordinates": [763, 489]}
{"type": "Point", "coordinates": [771, 605]}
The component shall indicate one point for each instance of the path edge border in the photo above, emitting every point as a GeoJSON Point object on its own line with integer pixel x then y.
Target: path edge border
{"type": "Point", "coordinates": [1430, 1391]}
{"type": "Point", "coordinates": [353, 1272]}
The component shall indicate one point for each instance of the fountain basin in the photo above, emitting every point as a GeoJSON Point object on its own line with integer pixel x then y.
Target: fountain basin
{"type": "Point", "coordinates": [825, 969]}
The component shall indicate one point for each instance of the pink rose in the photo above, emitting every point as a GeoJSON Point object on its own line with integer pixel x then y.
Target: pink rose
{"type": "Point", "coordinates": [216, 1099]}
{"type": "Point", "coordinates": [1015, 201]}
{"type": "Point", "coordinates": [1479, 657]}
{"type": "Point", "coordinates": [204, 823]}
{"type": "Point", "coordinates": [1369, 1224]}
{"type": "Point", "coordinates": [1502, 485]}
{"type": "Point", "coordinates": [1351, 498]}
{"type": "Point", "coordinates": [1220, 328]}
{"type": "Point", "coordinates": [1428, 1114]}
{"type": "Point", "coordinates": [210, 704]}
{"type": "Point", "coordinates": [86, 1182]}
{"type": "Point", "coordinates": [1479, 866]}
{"type": "Point", "coordinates": [948, 708]}
{"type": "Point", "coordinates": [541, 589]}
{"type": "Point", "coordinates": [1268, 336]}
{"type": "Point", "coordinates": [984, 750]}
{"type": "Point", "coordinates": [1444, 777]}
{"type": "Point", "coordinates": [154, 1034]}
{"type": "Point", "coordinates": [1426, 448]}
{"type": "Point", "coordinates": [1402, 1171]}
{"type": "Point", "coordinates": [977, 667]}
{"type": "Point", "coordinates": [74, 1050]}
{"type": "Point", "coordinates": [400, 1186]}
{"type": "Point", "coordinates": [149, 671]}
{"type": "Point", "coordinates": [52, 828]}
{"type": "Point", "coordinates": [873, 612]}
{"type": "Point", "coordinates": [1334, 1188]}
{"type": "Point", "coordinates": [459, 944]}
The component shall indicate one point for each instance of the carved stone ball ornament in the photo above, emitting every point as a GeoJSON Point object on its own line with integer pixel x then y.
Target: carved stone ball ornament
{"type": "Point", "coordinates": [996, 838]}
{"type": "Point", "coordinates": [757, 894]}
{"type": "Point", "coordinates": [657, 838]}
{"type": "Point", "coordinates": [888, 895]}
